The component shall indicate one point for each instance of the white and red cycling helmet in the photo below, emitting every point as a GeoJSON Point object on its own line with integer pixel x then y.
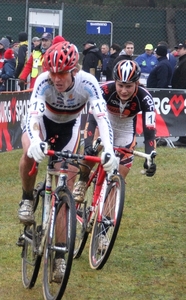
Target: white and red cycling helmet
{"type": "Point", "coordinates": [61, 57]}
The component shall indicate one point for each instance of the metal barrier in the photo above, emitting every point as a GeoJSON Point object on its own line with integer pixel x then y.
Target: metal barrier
{"type": "Point", "coordinates": [12, 85]}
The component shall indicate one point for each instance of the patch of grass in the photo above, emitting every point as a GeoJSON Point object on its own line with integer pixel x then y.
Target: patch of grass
{"type": "Point", "coordinates": [149, 257]}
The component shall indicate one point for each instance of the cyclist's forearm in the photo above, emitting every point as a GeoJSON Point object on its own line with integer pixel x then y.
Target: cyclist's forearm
{"type": "Point", "coordinates": [33, 127]}
{"type": "Point", "coordinates": [106, 132]}
{"type": "Point", "coordinates": [89, 132]}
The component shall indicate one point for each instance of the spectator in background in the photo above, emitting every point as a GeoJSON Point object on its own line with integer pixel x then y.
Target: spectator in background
{"type": "Point", "coordinates": [105, 57]}
{"type": "Point", "coordinates": [146, 61]}
{"type": "Point", "coordinates": [174, 53]}
{"type": "Point", "coordinates": [179, 81]}
{"type": "Point", "coordinates": [10, 40]}
{"type": "Point", "coordinates": [114, 53]}
{"type": "Point", "coordinates": [92, 60]}
{"type": "Point", "coordinates": [34, 65]}
{"type": "Point", "coordinates": [160, 77]}
{"type": "Point", "coordinates": [8, 71]}
{"type": "Point", "coordinates": [161, 74]}
{"type": "Point", "coordinates": [126, 53]}
{"type": "Point", "coordinates": [128, 49]}
{"type": "Point", "coordinates": [22, 53]}
{"type": "Point", "coordinates": [13, 45]}
{"type": "Point", "coordinates": [4, 44]}
{"type": "Point", "coordinates": [58, 39]}
{"type": "Point", "coordinates": [15, 48]}
{"type": "Point", "coordinates": [172, 59]}
{"type": "Point", "coordinates": [36, 41]}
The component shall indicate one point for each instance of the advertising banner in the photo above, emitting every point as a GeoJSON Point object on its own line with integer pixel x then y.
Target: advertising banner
{"type": "Point", "coordinates": [13, 106]}
{"type": "Point", "coordinates": [170, 113]}
{"type": "Point", "coordinates": [170, 116]}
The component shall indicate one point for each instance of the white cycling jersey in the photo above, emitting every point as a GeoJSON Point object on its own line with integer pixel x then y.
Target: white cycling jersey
{"type": "Point", "coordinates": [67, 106]}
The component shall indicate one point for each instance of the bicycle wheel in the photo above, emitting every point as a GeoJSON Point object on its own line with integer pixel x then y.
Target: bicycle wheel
{"type": "Point", "coordinates": [106, 223]}
{"type": "Point", "coordinates": [82, 214]}
{"type": "Point", "coordinates": [64, 222]}
{"type": "Point", "coordinates": [31, 238]}
{"type": "Point", "coordinates": [82, 219]}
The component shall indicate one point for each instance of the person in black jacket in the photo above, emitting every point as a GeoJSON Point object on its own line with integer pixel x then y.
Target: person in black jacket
{"type": "Point", "coordinates": [22, 53]}
{"type": "Point", "coordinates": [114, 52]}
{"type": "Point", "coordinates": [8, 71]}
{"type": "Point", "coordinates": [179, 81]}
{"type": "Point", "coordinates": [179, 74]}
{"type": "Point", "coordinates": [160, 77]}
{"type": "Point", "coordinates": [161, 74]}
{"type": "Point", "coordinates": [92, 60]}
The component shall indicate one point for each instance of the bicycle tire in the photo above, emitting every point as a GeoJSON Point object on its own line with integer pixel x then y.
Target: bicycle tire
{"type": "Point", "coordinates": [81, 233]}
{"type": "Point", "coordinates": [31, 260]}
{"type": "Point", "coordinates": [51, 289]}
{"type": "Point", "coordinates": [109, 224]}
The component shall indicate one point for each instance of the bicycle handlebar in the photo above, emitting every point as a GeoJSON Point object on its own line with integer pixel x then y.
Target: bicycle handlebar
{"type": "Point", "coordinates": [149, 157]}
{"type": "Point", "coordinates": [65, 154]}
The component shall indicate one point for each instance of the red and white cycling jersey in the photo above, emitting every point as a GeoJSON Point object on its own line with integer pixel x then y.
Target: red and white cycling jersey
{"type": "Point", "coordinates": [67, 106]}
{"type": "Point", "coordinates": [123, 117]}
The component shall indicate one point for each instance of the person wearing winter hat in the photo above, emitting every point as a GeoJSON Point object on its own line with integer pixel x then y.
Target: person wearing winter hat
{"type": "Point", "coordinates": [161, 74]}
{"type": "Point", "coordinates": [34, 65]}
{"type": "Point", "coordinates": [36, 41]}
{"type": "Point", "coordinates": [8, 71]}
{"type": "Point", "coordinates": [22, 53]}
{"type": "Point", "coordinates": [10, 40]}
{"type": "Point", "coordinates": [22, 37]}
{"type": "Point", "coordinates": [4, 44]}
{"type": "Point", "coordinates": [58, 39]}
{"type": "Point", "coordinates": [172, 59]}
{"type": "Point", "coordinates": [9, 54]}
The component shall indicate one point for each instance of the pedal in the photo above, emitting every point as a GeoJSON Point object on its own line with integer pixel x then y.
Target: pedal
{"type": "Point", "coordinates": [21, 241]}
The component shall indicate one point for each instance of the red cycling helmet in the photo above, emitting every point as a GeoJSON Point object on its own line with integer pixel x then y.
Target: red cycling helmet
{"type": "Point", "coordinates": [126, 71]}
{"type": "Point", "coordinates": [60, 57]}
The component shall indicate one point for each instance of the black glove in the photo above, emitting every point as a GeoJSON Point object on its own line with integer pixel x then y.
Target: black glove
{"type": "Point", "coordinates": [90, 151]}
{"type": "Point", "coordinates": [150, 170]}
{"type": "Point", "coordinates": [21, 83]}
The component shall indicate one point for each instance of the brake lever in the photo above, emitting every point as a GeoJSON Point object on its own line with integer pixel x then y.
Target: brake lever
{"type": "Point", "coordinates": [150, 160]}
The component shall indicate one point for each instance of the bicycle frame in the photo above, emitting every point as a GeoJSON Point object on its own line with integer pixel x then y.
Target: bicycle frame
{"type": "Point", "coordinates": [49, 205]}
{"type": "Point", "coordinates": [98, 195]}
{"type": "Point", "coordinates": [53, 232]}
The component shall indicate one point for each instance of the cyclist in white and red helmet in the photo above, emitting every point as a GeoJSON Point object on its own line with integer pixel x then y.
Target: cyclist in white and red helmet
{"type": "Point", "coordinates": [57, 100]}
{"type": "Point", "coordinates": [56, 103]}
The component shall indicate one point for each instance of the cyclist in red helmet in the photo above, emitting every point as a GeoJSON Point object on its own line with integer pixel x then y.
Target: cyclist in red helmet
{"type": "Point", "coordinates": [56, 104]}
{"type": "Point", "coordinates": [125, 98]}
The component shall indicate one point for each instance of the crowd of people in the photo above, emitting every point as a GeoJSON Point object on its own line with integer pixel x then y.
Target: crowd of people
{"type": "Point", "coordinates": [15, 63]}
